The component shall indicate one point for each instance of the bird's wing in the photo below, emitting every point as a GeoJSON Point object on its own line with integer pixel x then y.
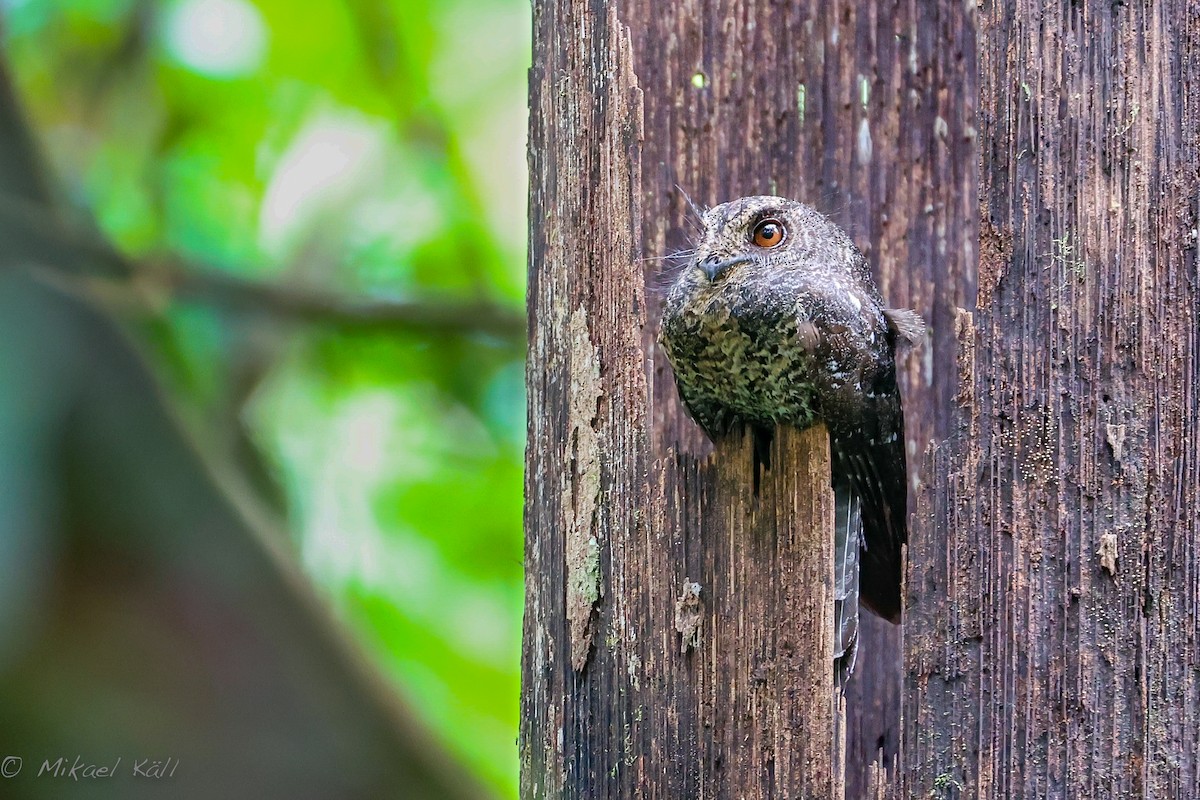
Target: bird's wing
{"type": "Point", "coordinates": [869, 462]}
{"type": "Point", "coordinates": [847, 519]}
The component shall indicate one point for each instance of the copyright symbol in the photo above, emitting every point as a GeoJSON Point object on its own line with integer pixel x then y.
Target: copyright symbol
{"type": "Point", "coordinates": [10, 766]}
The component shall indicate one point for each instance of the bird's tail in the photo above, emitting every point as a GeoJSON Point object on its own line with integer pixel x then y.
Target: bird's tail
{"type": "Point", "coordinates": [847, 520]}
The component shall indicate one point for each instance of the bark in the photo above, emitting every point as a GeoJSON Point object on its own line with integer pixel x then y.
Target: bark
{"type": "Point", "coordinates": [1052, 629]}
{"type": "Point", "coordinates": [863, 110]}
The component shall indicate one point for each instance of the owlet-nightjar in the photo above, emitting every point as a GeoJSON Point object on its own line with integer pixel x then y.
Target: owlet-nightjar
{"type": "Point", "coordinates": [777, 321]}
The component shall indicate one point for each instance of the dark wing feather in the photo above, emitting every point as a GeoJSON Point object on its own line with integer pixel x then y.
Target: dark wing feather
{"type": "Point", "coordinates": [869, 462]}
{"type": "Point", "coordinates": [847, 541]}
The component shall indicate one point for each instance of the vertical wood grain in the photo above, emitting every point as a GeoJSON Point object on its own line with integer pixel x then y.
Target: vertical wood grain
{"type": "Point", "coordinates": [862, 110]}
{"type": "Point", "coordinates": [1052, 652]}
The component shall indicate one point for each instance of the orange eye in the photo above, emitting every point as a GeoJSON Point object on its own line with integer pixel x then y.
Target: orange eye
{"type": "Point", "coordinates": [769, 233]}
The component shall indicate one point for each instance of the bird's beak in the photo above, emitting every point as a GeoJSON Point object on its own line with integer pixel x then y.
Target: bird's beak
{"type": "Point", "coordinates": [713, 266]}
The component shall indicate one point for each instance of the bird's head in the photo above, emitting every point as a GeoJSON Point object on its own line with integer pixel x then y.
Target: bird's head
{"type": "Point", "coordinates": [753, 234]}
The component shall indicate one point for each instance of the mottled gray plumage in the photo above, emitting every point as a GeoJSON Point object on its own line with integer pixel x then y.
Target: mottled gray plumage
{"type": "Point", "coordinates": [797, 333]}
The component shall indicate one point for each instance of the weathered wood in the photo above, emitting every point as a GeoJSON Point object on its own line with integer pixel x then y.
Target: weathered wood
{"type": "Point", "coordinates": [1053, 593]}
{"type": "Point", "coordinates": [762, 665]}
{"type": "Point", "coordinates": [865, 110]}
{"type": "Point", "coordinates": [678, 635]}
{"type": "Point", "coordinates": [588, 501]}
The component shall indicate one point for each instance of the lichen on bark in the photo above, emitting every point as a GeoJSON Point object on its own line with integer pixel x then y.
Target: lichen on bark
{"type": "Point", "coordinates": [581, 489]}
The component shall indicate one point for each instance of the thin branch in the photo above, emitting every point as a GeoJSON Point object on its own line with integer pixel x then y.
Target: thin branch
{"type": "Point", "coordinates": [322, 308]}
{"type": "Point", "coordinates": [69, 248]}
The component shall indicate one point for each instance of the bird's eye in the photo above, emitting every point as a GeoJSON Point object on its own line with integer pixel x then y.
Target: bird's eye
{"type": "Point", "coordinates": [769, 233]}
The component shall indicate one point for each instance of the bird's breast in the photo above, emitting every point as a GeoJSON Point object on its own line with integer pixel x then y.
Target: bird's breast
{"type": "Point", "coordinates": [763, 362]}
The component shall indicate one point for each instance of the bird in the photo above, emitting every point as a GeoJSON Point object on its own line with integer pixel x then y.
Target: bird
{"type": "Point", "coordinates": [776, 320]}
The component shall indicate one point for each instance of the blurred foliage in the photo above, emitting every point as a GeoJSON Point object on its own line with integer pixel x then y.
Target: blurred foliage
{"type": "Point", "coordinates": [361, 148]}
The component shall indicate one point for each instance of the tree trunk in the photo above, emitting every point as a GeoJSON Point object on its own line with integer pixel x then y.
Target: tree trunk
{"type": "Point", "coordinates": [1053, 592]}
{"type": "Point", "coordinates": [864, 110]}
